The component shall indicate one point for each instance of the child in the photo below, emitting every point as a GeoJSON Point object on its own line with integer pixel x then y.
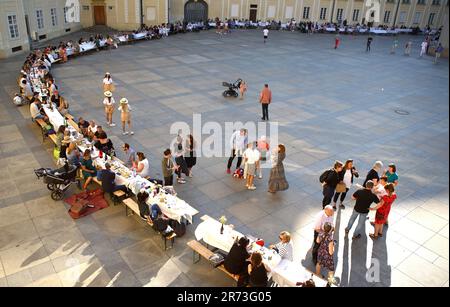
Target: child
{"type": "Point", "coordinates": [125, 116]}
{"type": "Point", "coordinates": [242, 88]}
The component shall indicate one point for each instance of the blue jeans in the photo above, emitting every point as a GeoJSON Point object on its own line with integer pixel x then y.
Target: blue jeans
{"type": "Point", "coordinates": [360, 228]}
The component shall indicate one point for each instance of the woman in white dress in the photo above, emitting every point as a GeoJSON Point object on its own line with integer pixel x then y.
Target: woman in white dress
{"type": "Point", "coordinates": [109, 103]}
{"type": "Point", "coordinates": [108, 85]}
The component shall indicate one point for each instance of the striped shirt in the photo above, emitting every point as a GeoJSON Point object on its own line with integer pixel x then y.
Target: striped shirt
{"type": "Point", "coordinates": [285, 250]}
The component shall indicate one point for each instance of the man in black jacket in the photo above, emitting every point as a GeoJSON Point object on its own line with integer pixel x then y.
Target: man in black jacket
{"type": "Point", "coordinates": [330, 182]}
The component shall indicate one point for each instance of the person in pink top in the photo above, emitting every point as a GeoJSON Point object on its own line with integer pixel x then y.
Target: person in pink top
{"type": "Point", "coordinates": [263, 148]}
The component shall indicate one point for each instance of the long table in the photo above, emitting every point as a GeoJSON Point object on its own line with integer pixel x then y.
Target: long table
{"type": "Point", "coordinates": [285, 273]}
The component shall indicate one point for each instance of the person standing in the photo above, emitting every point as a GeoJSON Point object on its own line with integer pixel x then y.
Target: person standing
{"type": "Point", "coordinates": [408, 48]}
{"type": "Point", "coordinates": [323, 217]}
{"type": "Point", "coordinates": [345, 177]}
{"type": "Point", "coordinates": [325, 254]}
{"type": "Point", "coordinates": [373, 173]}
{"type": "Point", "coordinates": [364, 198]}
{"type": "Point", "coordinates": [179, 160]}
{"type": "Point", "coordinates": [266, 34]}
{"type": "Point", "coordinates": [337, 41]}
{"type": "Point", "coordinates": [251, 156]}
{"type": "Point", "coordinates": [190, 156]}
{"type": "Point", "coordinates": [125, 116]}
{"type": "Point", "coordinates": [391, 174]}
{"type": "Point", "coordinates": [438, 51]}
{"type": "Point", "coordinates": [382, 210]}
{"type": "Point", "coordinates": [394, 45]}
{"type": "Point", "coordinates": [277, 179]}
{"type": "Point", "coordinates": [263, 148]}
{"type": "Point", "coordinates": [108, 83]}
{"type": "Point", "coordinates": [423, 48]}
{"type": "Point", "coordinates": [369, 43]}
{"type": "Point", "coordinates": [329, 180]}
{"type": "Point", "coordinates": [242, 88]}
{"type": "Point", "coordinates": [238, 144]}
{"type": "Point", "coordinates": [109, 103]}
{"type": "Point", "coordinates": [265, 98]}
{"type": "Point", "coordinates": [168, 167]}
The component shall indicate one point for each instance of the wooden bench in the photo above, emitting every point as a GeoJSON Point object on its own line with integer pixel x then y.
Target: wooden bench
{"type": "Point", "coordinates": [73, 124]}
{"type": "Point", "coordinates": [69, 116]}
{"type": "Point", "coordinates": [42, 124]}
{"type": "Point", "coordinates": [201, 250]}
{"type": "Point", "coordinates": [131, 204]}
{"type": "Point", "coordinates": [117, 196]}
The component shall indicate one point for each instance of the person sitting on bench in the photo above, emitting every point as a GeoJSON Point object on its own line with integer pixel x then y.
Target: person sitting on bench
{"type": "Point", "coordinates": [162, 224]}
{"type": "Point", "coordinates": [236, 262]}
{"type": "Point", "coordinates": [108, 177]}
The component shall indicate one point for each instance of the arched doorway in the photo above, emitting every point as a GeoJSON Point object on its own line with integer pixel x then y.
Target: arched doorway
{"type": "Point", "coordinates": [195, 10]}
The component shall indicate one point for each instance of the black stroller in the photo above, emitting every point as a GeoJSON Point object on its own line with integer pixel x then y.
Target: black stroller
{"type": "Point", "coordinates": [58, 180]}
{"type": "Point", "coordinates": [232, 88]}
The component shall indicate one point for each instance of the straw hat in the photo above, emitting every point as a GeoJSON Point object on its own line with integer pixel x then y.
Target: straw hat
{"type": "Point", "coordinates": [107, 73]}
{"type": "Point", "coordinates": [108, 94]}
{"type": "Point", "coordinates": [124, 101]}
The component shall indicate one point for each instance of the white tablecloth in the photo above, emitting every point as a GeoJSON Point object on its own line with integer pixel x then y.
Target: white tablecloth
{"type": "Point", "coordinates": [87, 46]}
{"type": "Point", "coordinates": [330, 29]}
{"type": "Point", "coordinates": [140, 35]}
{"type": "Point", "coordinates": [55, 118]}
{"type": "Point", "coordinates": [287, 274]}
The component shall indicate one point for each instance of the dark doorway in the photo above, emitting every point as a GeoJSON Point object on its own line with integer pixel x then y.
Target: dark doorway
{"type": "Point", "coordinates": [195, 11]}
{"type": "Point", "coordinates": [253, 12]}
{"type": "Point", "coordinates": [99, 15]}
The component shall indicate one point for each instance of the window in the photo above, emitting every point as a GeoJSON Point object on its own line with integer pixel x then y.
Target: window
{"type": "Point", "coordinates": [85, 7]}
{"type": "Point", "coordinates": [306, 12]}
{"type": "Point", "coordinates": [13, 27]}
{"type": "Point", "coordinates": [417, 16]}
{"type": "Point", "coordinates": [387, 16]}
{"type": "Point", "coordinates": [339, 14]}
{"type": "Point", "coordinates": [406, 1]}
{"type": "Point", "coordinates": [65, 14]}
{"type": "Point", "coordinates": [436, 2]}
{"type": "Point", "coordinates": [421, 2]}
{"type": "Point", "coordinates": [54, 17]}
{"type": "Point", "coordinates": [402, 17]}
{"type": "Point", "coordinates": [323, 13]}
{"type": "Point", "coordinates": [431, 19]}
{"type": "Point", "coordinates": [40, 19]}
{"type": "Point", "coordinates": [355, 15]}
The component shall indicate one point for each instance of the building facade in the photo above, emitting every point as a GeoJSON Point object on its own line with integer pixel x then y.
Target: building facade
{"type": "Point", "coordinates": [24, 21]}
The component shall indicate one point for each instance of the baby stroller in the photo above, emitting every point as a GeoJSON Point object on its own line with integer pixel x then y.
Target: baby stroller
{"type": "Point", "coordinates": [58, 180]}
{"type": "Point", "coordinates": [232, 88]}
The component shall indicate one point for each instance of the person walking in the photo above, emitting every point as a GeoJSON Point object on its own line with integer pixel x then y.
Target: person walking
{"type": "Point", "coordinates": [108, 85]}
{"type": "Point", "coordinates": [423, 48]}
{"type": "Point", "coordinates": [265, 98]}
{"type": "Point", "coordinates": [369, 43]}
{"type": "Point", "coordinates": [266, 34]}
{"type": "Point", "coordinates": [277, 179]}
{"type": "Point", "coordinates": [438, 51]}
{"type": "Point", "coordinates": [324, 217]}
{"type": "Point", "coordinates": [346, 180]}
{"type": "Point", "coordinates": [382, 210]}
{"type": "Point", "coordinates": [238, 144]}
{"type": "Point", "coordinates": [325, 254]}
{"type": "Point", "coordinates": [125, 116]}
{"type": "Point", "coordinates": [109, 103]}
{"type": "Point", "coordinates": [408, 48]}
{"type": "Point", "coordinates": [364, 198]}
{"type": "Point", "coordinates": [329, 180]}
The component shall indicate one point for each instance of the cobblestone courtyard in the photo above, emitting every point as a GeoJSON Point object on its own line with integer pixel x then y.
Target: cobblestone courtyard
{"type": "Point", "coordinates": [330, 104]}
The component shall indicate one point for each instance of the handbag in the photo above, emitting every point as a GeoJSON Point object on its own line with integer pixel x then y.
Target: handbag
{"type": "Point", "coordinates": [341, 187]}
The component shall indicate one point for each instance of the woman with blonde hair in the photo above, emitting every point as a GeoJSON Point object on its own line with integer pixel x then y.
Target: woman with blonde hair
{"type": "Point", "coordinates": [284, 248]}
{"type": "Point", "coordinates": [109, 102]}
{"type": "Point", "coordinates": [125, 116]}
{"type": "Point", "coordinates": [108, 83]}
{"type": "Point", "coordinates": [277, 180]}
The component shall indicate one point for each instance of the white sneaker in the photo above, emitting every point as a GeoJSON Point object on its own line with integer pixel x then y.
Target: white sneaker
{"type": "Point", "coordinates": [125, 133]}
{"type": "Point", "coordinates": [131, 132]}
{"type": "Point", "coordinates": [252, 187]}
{"type": "Point", "coordinates": [260, 176]}
{"type": "Point", "coordinates": [112, 125]}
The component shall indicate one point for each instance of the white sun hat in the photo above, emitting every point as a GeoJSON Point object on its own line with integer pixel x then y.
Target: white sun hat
{"type": "Point", "coordinates": [108, 94]}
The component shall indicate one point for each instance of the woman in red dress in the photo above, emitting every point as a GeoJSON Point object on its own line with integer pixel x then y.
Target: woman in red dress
{"type": "Point", "coordinates": [383, 209]}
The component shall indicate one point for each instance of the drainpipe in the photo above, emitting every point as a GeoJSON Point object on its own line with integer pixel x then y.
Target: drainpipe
{"type": "Point", "coordinates": [396, 13]}
{"type": "Point", "coordinates": [332, 10]}
{"type": "Point", "coordinates": [142, 12]}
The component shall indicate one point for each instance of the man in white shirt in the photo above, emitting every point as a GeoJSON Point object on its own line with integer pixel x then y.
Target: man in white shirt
{"type": "Point", "coordinates": [35, 110]}
{"type": "Point", "coordinates": [238, 143]}
{"type": "Point", "coordinates": [323, 217]}
{"type": "Point", "coordinates": [251, 156]}
{"type": "Point", "coordinates": [266, 34]}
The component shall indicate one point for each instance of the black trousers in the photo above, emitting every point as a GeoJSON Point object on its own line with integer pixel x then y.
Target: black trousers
{"type": "Point", "coordinates": [315, 247]}
{"type": "Point", "coordinates": [368, 47]}
{"type": "Point", "coordinates": [230, 160]}
{"type": "Point", "coordinates": [343, 194]}
{"type": "Point", "coordinates": [328, 193]}
{"type": "Point", "coordinates": [265, 111]}
{"type": "Point", "coordinates": [168, 181]}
